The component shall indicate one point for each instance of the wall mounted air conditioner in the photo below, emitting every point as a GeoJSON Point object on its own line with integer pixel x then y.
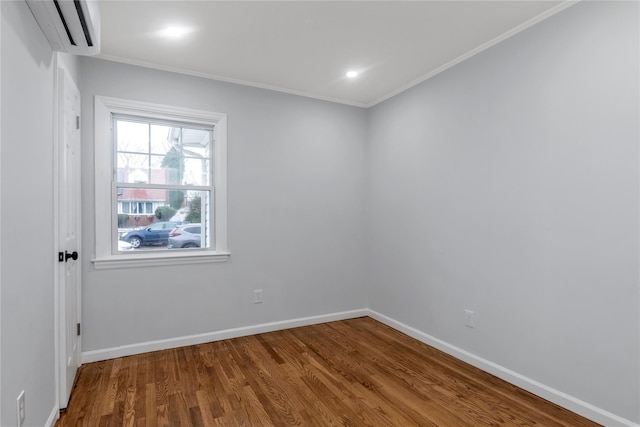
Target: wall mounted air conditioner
{"type": "Point", "coordinates": [71, 26]}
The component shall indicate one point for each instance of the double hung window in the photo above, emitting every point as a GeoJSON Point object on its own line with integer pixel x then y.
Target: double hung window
{"type": "Point", "coordinates": [158, 165]}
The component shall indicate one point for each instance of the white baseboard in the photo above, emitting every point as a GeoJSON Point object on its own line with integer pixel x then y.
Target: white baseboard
{"type": "Point", "coordinates": [131, 349]}
{"type": "Point", "coordinates": [53, 417]}
{"type": "Point", "coordinates": [571, 403]}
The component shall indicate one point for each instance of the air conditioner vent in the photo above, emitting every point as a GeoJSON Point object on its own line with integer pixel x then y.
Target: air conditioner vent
{"type": "Point", "coordinates": [64, 22]}
{"type": "Point", "coordinates": [71, 26]}
{"type": "Point", "coordinates": [83, 22]}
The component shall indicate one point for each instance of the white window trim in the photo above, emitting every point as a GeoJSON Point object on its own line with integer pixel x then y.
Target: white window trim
{"type": "Point", "coordinates": [104, 258]}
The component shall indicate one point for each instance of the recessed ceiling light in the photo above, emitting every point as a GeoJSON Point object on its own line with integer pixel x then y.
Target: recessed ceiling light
{"type": "Point", "coordinates": [352, 74]}
{"type": "Point", "coordinates": [175, 32]}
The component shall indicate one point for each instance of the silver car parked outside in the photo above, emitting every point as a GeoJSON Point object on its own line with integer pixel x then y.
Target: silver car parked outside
{"type": "Point", "coordinates": [185, 236]}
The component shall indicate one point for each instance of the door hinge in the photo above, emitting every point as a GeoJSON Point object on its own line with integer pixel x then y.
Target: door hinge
{"type": "Point", "coordinates": [77, 122]}
{"type": "Point", "coordinates": [60, 256]}
{"type": "Point", "coordinates": [78, 328]}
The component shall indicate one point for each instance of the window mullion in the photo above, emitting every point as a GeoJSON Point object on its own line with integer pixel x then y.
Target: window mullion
{"type": "Point", "coordinates": [164, 186]}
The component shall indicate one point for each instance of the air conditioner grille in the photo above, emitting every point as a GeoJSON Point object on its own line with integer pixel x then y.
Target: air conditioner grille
{"type": "Point", "coordinates": [83, 22]}
{"type": "Point", "coordinates": [64, 23]}
{"type": "Point", "coordinates": [71, 26]}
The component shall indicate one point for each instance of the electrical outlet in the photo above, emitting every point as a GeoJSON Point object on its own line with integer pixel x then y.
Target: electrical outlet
{"type": "Point", "coordinates": [20, 408]}
{"type": "Point", "coordinates": [257, 296]}
{"type": "Point", "coordinates": [468, 318]}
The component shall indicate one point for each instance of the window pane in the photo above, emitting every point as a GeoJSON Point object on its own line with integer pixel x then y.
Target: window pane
{"type": "Point", "coordinates": [164, 172]}
{"type": "Point", "coordinates": [161, 141]}
{"type": "Point", "coordinates": [167, 155]}
{"type": "Point", "coordinates": [145, 228]}
{"type": "Point", "coordinates": [196, 142]}
{"type": "Point", "coordinates": [196, 211]}
{"type": "Point", "coordinates": [196, 172]}
{"type": "Point", "coordinates": [133, 168]}
{"type": "Point", "coordinates": [196, 149]}
{"type": "Point", "coordinates": [132, 137]}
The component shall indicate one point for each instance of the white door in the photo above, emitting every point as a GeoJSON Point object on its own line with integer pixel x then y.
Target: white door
{"type": "Point", "coordinates": [68, 233]}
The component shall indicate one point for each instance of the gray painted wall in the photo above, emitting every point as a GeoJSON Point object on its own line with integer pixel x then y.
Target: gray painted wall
{"type": "Point", "coordinates": [70, 64]}
{"type": "Point", "coordinates": [296, 204]}
{"type": "Point", "coordinates": [27, 226]}
{"type": "Point", "coordinates": [508, 185]}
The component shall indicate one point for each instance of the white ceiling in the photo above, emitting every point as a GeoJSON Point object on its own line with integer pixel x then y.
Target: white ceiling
{"type": "Point", "coordinates": [306, 47]}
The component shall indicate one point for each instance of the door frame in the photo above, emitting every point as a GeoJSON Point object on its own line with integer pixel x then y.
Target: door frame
{"type": "Point", "coordinates": [61, 71]}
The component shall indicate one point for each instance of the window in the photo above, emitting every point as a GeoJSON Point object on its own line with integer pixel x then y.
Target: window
{"type": "Point", "coordinates": [137, 207]}
{"type": "Point", "coordinates": [157, 168]}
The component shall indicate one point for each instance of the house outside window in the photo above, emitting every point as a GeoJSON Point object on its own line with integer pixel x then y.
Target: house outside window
{"type": "Point", "coordinates": [138, 207]}
{"type": "Point", "coordinates": [157, 163]}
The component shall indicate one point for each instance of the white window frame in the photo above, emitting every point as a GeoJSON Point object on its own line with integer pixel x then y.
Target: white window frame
{"type": "Point", "coordinates": [105, 256]}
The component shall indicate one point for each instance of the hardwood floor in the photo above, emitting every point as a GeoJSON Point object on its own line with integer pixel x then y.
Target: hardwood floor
{"type": "Point", "coordinates": [356, 372]}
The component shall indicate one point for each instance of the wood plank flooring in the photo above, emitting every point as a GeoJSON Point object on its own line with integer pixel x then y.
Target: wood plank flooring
{"type": "Point", "coordinates": [357, 372]}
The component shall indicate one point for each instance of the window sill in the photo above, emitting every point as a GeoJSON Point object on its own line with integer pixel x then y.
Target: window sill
{"type": "Point", "coordinates": [146, 260]}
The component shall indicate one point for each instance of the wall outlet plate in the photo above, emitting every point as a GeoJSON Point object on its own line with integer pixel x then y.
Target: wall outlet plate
{"type": "Point", "coordinates": [468, 318]}
{"type": "Point", "coordinates": [257, 296]}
